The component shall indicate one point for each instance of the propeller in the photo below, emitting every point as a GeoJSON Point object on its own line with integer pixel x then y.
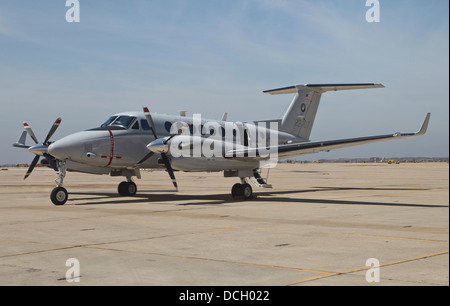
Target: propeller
{"type": "Point", "coordinates": [159, 145]}
{"type": "Point", "coordinates": [41, 149]}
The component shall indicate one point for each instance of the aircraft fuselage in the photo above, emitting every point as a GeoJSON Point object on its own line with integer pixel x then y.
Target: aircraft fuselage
{"type": "Point", "coordinates": [119, 146]}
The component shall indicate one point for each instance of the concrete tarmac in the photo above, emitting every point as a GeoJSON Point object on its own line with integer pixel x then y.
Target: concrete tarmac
{"type": "Point", "coordinates": [319, 225]}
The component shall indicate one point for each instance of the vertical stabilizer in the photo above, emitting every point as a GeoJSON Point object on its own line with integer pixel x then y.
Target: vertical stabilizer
{"type": "Point", "coordinates": [301, 113]}
{"type": "Point", "coordinates": [299, 117]}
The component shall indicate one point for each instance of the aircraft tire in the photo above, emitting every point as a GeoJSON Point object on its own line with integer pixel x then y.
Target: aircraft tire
{"type": "Point", "coordinates": [127, 189]}
{"type": "Point", "coordinates": [242, 190]}
{"type": "Point", "coordinates": [59, 196]}
{"type": "Point", "coordinates": [235, 190]}
{"type": "Point", "coordinates": [122, 189]}
{"type": "Point", "coordinates": [131, 189]}
{"type": "Point", "coordinates": [246, 191]}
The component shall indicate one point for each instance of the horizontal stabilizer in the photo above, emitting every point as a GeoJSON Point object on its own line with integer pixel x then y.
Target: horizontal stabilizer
{"type": "Point", "coordinates": [321, 88]}
{"type": "Point", "coordinates": [21, 142]}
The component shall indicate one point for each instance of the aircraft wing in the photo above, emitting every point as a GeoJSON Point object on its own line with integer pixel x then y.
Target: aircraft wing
{"type": "Point", "coordinates": [297, 149]}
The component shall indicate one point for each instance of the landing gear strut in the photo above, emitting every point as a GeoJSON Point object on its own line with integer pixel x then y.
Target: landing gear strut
{"type": "Point", "coordinates": [59, 194]}
{"type": "Point", "coordinates": [242, 190]}
{"type": "Point", "coordinates": [128, 188]}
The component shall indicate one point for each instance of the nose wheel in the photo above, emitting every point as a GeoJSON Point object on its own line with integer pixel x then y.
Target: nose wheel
{"type": "Point", "coordinates": [59, 196]}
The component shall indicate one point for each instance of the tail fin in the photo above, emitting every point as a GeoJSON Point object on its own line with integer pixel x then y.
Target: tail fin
{"type": "Point", "coordinates": [299, 117]}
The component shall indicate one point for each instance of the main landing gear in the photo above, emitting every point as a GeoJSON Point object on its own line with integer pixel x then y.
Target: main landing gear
{"type": "Point", "coordinates": [128, 188]}
{"type": "Point", "coordinates": [242, 191]}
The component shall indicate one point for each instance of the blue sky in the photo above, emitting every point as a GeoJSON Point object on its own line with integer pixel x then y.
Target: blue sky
{"type": "Point", "coordinates": [214, 56]}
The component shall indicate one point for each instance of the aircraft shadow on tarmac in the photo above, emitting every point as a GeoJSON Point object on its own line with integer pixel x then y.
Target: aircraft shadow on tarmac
{"type": "Point", "coordinates": [165, 196]}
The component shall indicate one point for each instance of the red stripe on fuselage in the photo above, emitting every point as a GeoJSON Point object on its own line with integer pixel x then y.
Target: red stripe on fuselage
{"type": "Point", "coordinates": [111, 156]}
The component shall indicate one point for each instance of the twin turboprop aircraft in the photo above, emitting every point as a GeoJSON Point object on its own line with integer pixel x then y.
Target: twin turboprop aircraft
{"type": "Point", "coordinates": [128, 142]}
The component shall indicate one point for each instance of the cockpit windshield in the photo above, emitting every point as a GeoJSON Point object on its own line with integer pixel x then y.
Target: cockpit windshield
{"type": "Point", "coordinates": [107, 122]}
{"type": "Point", "coordinates": [123, 121]}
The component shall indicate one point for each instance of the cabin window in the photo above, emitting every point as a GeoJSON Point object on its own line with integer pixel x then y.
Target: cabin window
{"type": "Point", "coordinates": [135, 125]}
{"type": "Point", "coordinates": [144, 125]}
{"type": "Point", "coordinates": [168, 125]}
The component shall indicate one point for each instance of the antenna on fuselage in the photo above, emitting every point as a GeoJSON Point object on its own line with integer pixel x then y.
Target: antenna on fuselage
{"type": "Point", "coordinates": [182, 113]}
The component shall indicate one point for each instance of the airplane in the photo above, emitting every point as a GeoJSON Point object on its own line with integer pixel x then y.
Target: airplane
{"type": "Point", "coordinates": [130, 141]}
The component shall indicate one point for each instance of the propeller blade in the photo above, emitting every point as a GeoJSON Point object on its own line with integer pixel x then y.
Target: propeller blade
{"type": "Point", "coordinates": [150, 121]}
{"type": "Point", "coordinates": [27, 128]}
{"type": "Point", "coordinates": [52, 130]}
{"type": "Point", "coordinates": [160, 143]}
{"type": "Point", "coordinates": [33, 164]}
{"type": "Point", "coordinates": [169, 170]}
{"type": "Point", "coordinates": [144, 159]}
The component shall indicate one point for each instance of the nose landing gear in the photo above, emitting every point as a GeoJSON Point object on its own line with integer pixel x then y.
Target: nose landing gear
{"type": "Point", "coordinates": [59, 194]}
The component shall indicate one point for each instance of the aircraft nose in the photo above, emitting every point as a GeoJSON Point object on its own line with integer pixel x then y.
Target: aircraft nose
{"type": "Point", "coordinates": [67, 147]}
{"type": "Point", "coordinates": [58, 151]}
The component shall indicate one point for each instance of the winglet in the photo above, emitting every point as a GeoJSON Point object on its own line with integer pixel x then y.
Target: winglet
{"type": "Point", "coordinates": [424, 127]}
{"type": "Point", "coordinates": [224, 117]}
